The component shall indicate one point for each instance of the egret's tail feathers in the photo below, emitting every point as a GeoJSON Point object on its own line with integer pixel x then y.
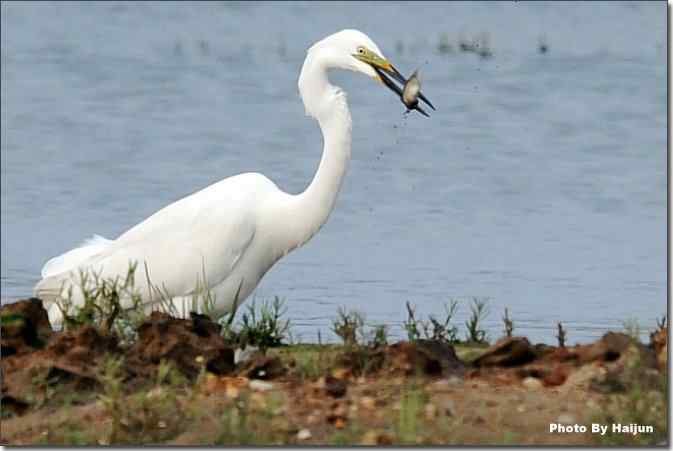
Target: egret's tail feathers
{"type": "Point", "coordinates": [71, 259]}
{"type": "Point", "coordinates": [56, 281]}
{"type": "Point", "coordinates": [48, 289]}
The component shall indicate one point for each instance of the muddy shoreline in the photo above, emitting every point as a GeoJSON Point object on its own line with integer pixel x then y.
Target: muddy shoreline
{"type": "Point", "coordinates": [181, 382]}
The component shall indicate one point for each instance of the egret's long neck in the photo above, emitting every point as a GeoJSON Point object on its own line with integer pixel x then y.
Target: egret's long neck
{"type": "Point", "coordinates": [328, 105]}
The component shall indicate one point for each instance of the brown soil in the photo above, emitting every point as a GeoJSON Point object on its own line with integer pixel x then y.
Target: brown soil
{"type": "Point", "coordinates": [54, 388]}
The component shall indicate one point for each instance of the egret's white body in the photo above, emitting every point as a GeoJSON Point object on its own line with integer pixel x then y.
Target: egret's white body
{"type": "Point", "coordinates": [232, 232]}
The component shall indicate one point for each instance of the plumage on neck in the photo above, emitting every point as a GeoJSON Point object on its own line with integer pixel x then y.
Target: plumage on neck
{"type": "Point", "coordinates": [327, 104]}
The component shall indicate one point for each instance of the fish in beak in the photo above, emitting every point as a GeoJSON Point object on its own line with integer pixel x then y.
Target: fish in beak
{"type": "Point", "coordinates": [409, 93]}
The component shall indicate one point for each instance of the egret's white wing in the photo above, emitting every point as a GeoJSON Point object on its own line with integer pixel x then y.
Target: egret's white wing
{"type": "Point", "coordinates": [179, 256]}
{"type": "Point", "coordinates": [71, 259]}
{"type": "Point", "coordinates": [204, 234]}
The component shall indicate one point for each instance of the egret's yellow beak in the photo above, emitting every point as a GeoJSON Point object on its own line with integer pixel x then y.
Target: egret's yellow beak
{"type": "Point", "coordinates": [382, 67]}
{"type": "Point", "coordinates": [378, 62]}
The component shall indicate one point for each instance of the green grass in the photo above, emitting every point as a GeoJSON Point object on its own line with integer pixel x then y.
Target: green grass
{"type": "Point", "coordinates": [432, 328]}
{"type": "Point", "coordinates": [167, 406]}
{"type": "Point", "coordinates": [68, 433]}
{"type": "Point", "coordinates": [644, 403]}
{"type": "Point", "coordinates": [263, 327]}
{"type": "Point", "coordinates": [244, 423]}
{"type": "Point", "coordinates": [151, 415]}
{"type": "Point", "coordinates": [348, 326]}
{"type": "Point", "coordinates": [479, 312]}
{"type": "Point", "coordinates": [408, 428]}
{"type": "Point", "coordinates": [308, 361]}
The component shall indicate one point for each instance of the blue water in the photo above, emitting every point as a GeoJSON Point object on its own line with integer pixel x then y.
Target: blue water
{"type": "Point", "coordinates": [538, 184]}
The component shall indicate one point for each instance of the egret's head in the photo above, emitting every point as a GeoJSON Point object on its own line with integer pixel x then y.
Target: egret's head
{"type": "Point", "coordinates": [351, 50]}
{"type": "Point", "coordinates": [354, 50]}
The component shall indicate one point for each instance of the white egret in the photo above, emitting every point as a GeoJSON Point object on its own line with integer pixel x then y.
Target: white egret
{"type": "Point", "coordinates": [229, 234]}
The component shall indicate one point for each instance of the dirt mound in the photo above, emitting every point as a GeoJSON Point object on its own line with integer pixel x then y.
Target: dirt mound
{"type": "Point", "coordinates": [508, 352]}
{"type": "Point", "coordinates": [260, 366]}
{"type": "Point", "coordinates": [612, 347]}
{"type": "Point", "coordinates": [71, 359]}
{"type": "Point", "coordinates": [608, 349]}
{"type": "Point", "coordinates": [34, 358]}
{"type": "Point", "coordinates": [426, 357]}
{"type": "Point", "coordinates": [80, 350]}
{"type": "Point", "coordinates": [25, 327]}
{"type": "Point", "coordinates": [596, 364]}
{"type": "Point", "coordinates": [430, 357]}
{"type": "Point", "coordinates": [187, 343]}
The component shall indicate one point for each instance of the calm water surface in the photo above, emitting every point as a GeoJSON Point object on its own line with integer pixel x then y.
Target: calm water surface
{"type": "Point", "coordinates": [540, 182]}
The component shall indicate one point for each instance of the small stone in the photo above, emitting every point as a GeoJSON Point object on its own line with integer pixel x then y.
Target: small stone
{"type": "Point", "coordinates": [304, 434]}
{"type": "Point", "coordinates": [448, 407]}
{"type": "Point", "coordinates": [161, 425]}
{"type": "Point", "coordinates": [565, 418]}
{"type": "Point", "coordinates": [440, 385]}
{"type": "Point", "coordinates": [430, 411]}
{"type": "Point", "coordinates": [229, 385]}
{"type": "Point", "coordinates": [258, 401]}
{"type": "Point", "coordinates": [374, 438]}
{"type": "Point", "coordinates": [591, 404]}
{"type": "Point", "coordinates": [199, 359]}
{"type": "Point", "coordinates": [385, 439]}
{"type": "Point", "coordinates": [454, 380]}
{"type": "Point", "coordinates": [340, 410]}
{"type": "Point", "coordinates": [313, 418]}
{"type": "Point", "coordinates": [555, 378]}
{"type": "Point", "coordinates": [258, 385]}
{"type": "Point", "coordinates": [231, 392]}
{"type": "Point", "coordinates": [532, 383]}
{"type": "Point", "coordinates": [340, 373]}
{"type": "Point", "coordinates": [156, 392]}
{"type": "Point", "coordinates": [521, 409]}
{"type": "Point", "coordinates": [368, 402]}
{"type": "Point", "coordinates": [371, 438]}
